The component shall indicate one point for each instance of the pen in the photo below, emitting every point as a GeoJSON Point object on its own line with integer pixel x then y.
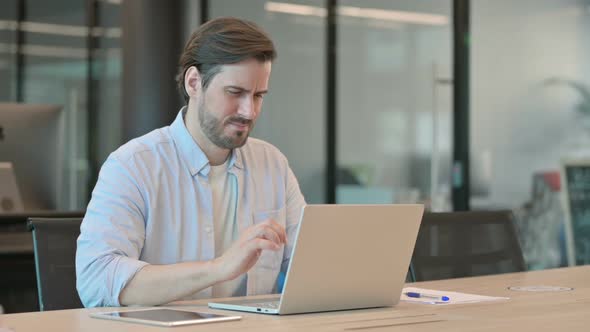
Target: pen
{"type": "Point", "coordinates": [427, 296]}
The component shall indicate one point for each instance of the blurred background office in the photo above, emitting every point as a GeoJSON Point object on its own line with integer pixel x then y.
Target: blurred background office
{"type": "Point", "coordinates": [458, 104]}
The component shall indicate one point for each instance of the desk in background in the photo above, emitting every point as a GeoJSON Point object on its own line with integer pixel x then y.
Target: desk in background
{"type": "Point", "coordinates": [525, 311]}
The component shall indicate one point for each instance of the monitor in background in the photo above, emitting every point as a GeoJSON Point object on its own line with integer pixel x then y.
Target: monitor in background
{"type": "Point", "coordinates": [31, 139]}
{"type": "Point", "coordinates": [10, 200]}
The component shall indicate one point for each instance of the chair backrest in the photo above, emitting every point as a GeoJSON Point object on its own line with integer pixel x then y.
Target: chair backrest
{"type": "Point", "coordinates": [54, 241]}
{"type": "Point", "coordinates": [465, 244]}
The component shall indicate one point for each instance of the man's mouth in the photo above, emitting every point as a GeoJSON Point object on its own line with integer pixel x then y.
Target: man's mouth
{"type": "Point", "coordinates": [240, 124]}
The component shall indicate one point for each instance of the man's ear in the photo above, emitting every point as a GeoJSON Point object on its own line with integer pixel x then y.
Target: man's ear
{"type": "Point", "coordinates": [192, 81]}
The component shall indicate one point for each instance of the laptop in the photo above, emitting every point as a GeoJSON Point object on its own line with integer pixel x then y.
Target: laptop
{"type": "Point", "coordinates": [345, 257]}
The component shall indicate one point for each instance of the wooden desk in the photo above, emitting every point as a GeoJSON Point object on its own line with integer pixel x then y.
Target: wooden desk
{"type": "Point", "coordinates": [525, 311]}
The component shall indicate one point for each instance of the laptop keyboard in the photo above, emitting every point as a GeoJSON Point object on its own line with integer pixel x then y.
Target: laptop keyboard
{"type": "Point", "coordinates": [268, 305]}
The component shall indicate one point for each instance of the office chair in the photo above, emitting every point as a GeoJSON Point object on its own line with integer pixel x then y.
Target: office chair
{"type": "Point", "coordinates": [18, 284]}
{"type": "Point", "coordinates": [411, 274]}
{"type": "Point", "coordinates": [466, 244]}
{"type": "Point", "coordinates": [54, 242]}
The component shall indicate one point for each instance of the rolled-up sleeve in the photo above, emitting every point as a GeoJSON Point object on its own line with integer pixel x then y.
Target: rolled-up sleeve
{"type": "Point", "coordinates": [112, 236]}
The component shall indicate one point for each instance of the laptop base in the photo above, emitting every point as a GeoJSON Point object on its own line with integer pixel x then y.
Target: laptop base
{"type": "Point", "coordinates": [261, 306]}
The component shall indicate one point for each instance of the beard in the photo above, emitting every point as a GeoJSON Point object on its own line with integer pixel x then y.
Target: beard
{"type": "Point", "coordinates": [213, 128]}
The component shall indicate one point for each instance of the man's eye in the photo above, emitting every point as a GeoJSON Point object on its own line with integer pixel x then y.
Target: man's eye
{"type": "Point", "coordinates": [259, 96]}
{"type": "Point", "coordinates": [234, 92]}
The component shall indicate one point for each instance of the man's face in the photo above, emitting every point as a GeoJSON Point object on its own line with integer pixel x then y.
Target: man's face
{"type": "Point", "coordinates": [232, 102]}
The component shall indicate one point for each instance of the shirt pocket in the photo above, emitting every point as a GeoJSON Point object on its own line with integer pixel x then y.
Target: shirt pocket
{"type": "Point", "coordinates": [271, 259]}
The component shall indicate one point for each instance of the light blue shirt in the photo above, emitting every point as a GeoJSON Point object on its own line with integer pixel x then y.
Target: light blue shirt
{"type": "Point", "coordinates": [152, 204]}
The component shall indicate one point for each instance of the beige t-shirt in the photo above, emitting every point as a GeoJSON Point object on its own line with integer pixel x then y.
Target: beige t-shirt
{"type": "Point", "coordinates": [224, 189]}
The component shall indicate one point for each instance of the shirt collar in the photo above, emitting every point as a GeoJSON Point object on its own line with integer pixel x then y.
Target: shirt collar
{"type": "Point", "coordinates": [235, 159]}
{"type": "Point", "coordinates": [191, 153]}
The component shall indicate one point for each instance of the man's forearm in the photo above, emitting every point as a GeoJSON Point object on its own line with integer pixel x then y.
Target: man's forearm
{"type": "Point", "coordinates": [159, 284]}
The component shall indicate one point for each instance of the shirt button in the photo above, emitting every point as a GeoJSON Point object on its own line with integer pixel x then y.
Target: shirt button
{"type": "Point", "coordinates": [208, 229]}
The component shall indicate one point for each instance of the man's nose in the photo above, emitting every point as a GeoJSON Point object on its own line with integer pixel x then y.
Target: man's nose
{"type": "Point", "coordinates": [247, 108]}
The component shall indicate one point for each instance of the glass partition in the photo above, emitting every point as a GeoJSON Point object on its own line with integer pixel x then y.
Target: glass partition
{"type": "Point", "coordinates": [530, 96]}
{"type": "Point", "coordinates": [293, 114]}
{"type": "Point", "coordinates": [8, 60]}
{"type": "Point", "coordinates": [394, 102]}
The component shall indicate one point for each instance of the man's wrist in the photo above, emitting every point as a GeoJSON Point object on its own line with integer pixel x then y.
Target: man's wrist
{"type": "Point", "coordinates": [215, 270]}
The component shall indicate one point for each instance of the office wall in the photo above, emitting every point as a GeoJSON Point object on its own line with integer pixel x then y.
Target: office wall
{"type": "Point", "coordinates": [521, 121]}
{"type": "Point", "coordinates": [151, 48]}
{"type": "Point", "coordinates": [191, 18]}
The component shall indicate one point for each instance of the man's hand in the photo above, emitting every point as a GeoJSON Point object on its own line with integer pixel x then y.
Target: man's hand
{"type": "Point", "coordinates": [244, 253]}
{"type": "Point", "coordinates": [186, 278]}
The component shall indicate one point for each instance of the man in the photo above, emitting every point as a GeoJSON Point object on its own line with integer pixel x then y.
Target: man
{"type": "Point", "coordinates": [195, 209]}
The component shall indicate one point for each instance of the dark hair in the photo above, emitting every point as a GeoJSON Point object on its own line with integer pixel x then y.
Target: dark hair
{"type": "Point", "coordinates": [221, 41]}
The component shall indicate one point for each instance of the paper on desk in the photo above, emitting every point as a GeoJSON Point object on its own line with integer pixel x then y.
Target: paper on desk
{"type": "Point", "coordinates": [454, 297]}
